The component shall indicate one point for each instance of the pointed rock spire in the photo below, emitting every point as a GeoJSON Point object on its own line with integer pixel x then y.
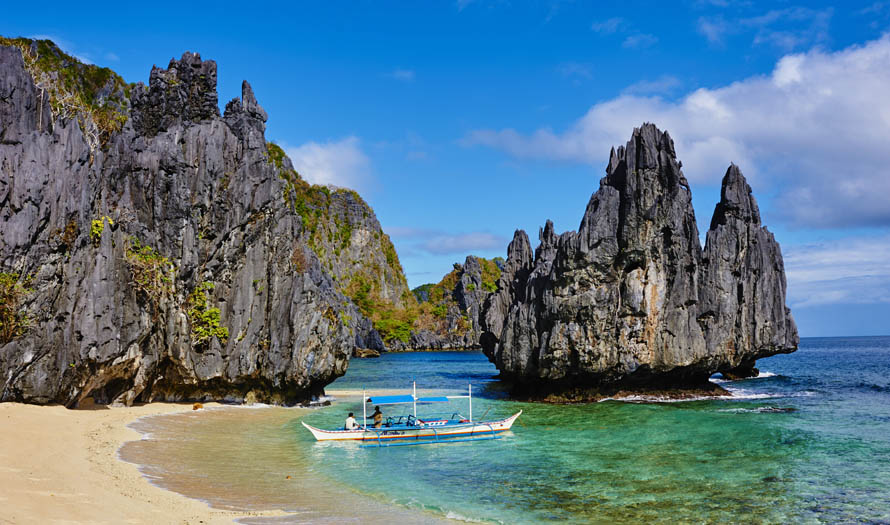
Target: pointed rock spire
{"type": "Point", "coordinates": [736, 200]}
{"type": "Point", "coordinates": [630, 300]}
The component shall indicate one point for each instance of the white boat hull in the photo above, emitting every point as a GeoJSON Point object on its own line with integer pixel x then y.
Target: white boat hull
{"type": "Point", "coordinates": [479, 428]}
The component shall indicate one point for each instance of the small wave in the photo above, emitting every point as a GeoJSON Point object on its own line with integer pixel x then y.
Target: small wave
{"type": "Point", "coordinates": [642, 398]}
{"type": "Point", "coordinates": [747, 394]}
{"type": "Point", "coordinates": [760, 410]}
{"type": "Point", "coordinates": [459, 517]}
{"type": "Point", "coordinates": [741, 393]}
{"type": "Point", "coordinates": [254, 405]}
{"type": "Point", "coordinates": [762, 375]}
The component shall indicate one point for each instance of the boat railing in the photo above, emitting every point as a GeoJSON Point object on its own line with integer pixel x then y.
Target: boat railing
{"type": "Point", "coordinates": [427, 440]}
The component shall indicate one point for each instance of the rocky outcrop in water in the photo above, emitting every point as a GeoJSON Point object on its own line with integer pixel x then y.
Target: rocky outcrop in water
{"type": "Point", "coordinates": [176, 255]}
{"type": "Point", "coordinates": [631, 299]}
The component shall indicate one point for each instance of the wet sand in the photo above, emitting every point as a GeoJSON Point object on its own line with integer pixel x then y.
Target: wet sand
{"type": "Point", "coordinates": [218, 465]}
{"type": "Point", "coordinates": [61, 466]}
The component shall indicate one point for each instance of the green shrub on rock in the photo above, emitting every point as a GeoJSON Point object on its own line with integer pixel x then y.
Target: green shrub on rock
{"type": "Point", "coordinates": [13, 321]}
{"type": "Point", "coordinates": [204, 319]}
{"type": "Point", "coordinates": [152, 272]}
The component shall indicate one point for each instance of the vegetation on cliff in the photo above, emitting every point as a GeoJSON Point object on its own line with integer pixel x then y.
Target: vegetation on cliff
{"type": "Point", "coordinates": [204, 319]}
{"type": "Point", "coordinates": [96, 96]}
{"type": "Point", "coordinates": [342, 231]}
{"type": "Point", "coordinates": [153, 273]}
{"type": "Point", "coordinates": [14, 320]}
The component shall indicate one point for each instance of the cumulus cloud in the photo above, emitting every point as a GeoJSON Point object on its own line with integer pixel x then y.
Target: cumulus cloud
{"type": "Point", "coordinates": [814, 132]}
{"type": "Point", "coordinates": [437, 242]}
{"type": "Point", "coordinates": [852, 270]}
{"type": "Point", "coordinates": [337, 163]}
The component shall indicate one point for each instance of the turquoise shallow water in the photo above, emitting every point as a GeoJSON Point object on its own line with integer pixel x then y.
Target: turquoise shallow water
{"type": "Point", "coordinates": [742, 460]}
{"type": "Point", "coordinates": [807, 442]}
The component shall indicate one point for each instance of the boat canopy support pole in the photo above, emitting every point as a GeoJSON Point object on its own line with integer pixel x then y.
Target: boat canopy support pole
{"type": "Point", "coordinates": [470, 394]}
{"type": "Point", "coordinates": [414, 396]}
{"type": "Point", "coordinates": [364, 410]}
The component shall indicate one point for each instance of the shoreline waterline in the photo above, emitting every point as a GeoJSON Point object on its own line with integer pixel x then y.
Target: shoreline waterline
{"type": "Point", "coordinates": [243, 459]}
{"type": "Point", "coordinates": [61, 465]}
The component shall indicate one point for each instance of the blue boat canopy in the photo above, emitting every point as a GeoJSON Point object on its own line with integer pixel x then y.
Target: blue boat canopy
{"type": "Point", "coordinates": [398, 400]}
{"type": "Point", "coordinates": [390, 400]}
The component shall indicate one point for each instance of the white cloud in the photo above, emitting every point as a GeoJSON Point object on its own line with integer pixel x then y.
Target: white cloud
{"type": "Point", "coordinates": [815, 130]}
{"type": "Point", "coordinates": [463, 243]}
{"type": "Point", "coordinates": [786, 29]}
{"type": "Point", "coordinates": [340, 163]}
{"type": "Point", "coordinates": [662, 85]}
{"type": "Point", "coordinates": [852, 270]}
{"type": "Point", "coordinates": [405, 75]}
{"type": "Point", "coordinates": [607, 27]}
{"type": "Point", "coordinates": [112, 57]}
{"type": "Point", "coordinates": [713, 28]}
{"type": "Point", "coordinates": [639, 41]}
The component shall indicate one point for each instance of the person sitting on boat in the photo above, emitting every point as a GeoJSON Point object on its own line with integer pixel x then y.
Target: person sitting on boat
{"type": "Point", "coordinates": [350, 422]}
{"type": "Point", "coordinates": [378, 417]}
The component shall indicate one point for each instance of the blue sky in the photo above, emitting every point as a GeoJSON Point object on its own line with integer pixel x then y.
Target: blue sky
{"type": "Point", "coordinates": [461, 121]}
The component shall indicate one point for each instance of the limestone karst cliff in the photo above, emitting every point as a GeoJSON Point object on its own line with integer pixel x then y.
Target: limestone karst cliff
{"type": "Point", "coordinates": [631, 299]}
{"type": "Point", "coordinates": [451, 310]}
{"type": "Point", "coordinates": [156, 249]}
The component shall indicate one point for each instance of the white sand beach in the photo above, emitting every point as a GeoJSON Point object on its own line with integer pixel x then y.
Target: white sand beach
{"type": "Point", "coordinates": [61, 466]}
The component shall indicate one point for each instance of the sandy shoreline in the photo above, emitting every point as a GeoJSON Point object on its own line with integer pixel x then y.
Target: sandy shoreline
{"type": "Point", "coordinates": [61, 466]}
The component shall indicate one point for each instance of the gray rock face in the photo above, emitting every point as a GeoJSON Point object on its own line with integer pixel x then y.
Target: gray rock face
{"type": "Point", "coordinates": [198, 190]}
{"type": "Point", "coordinates": [742, 297]}
{"type": "Point", "coordinates": [631, 298]}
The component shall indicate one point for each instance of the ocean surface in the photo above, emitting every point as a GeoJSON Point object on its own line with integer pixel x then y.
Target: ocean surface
{"type": "Point", "coordinates": [806, 442]}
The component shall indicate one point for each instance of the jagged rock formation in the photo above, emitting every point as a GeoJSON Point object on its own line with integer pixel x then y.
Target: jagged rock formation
{"type": "Point", "coordinates": [631, 299]}
{"type": "Point", "coordinates": [173, 258]}
{"type": "Point", "coordinates": [452, 318]}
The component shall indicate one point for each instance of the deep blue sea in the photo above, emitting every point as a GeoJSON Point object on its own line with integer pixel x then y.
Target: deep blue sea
{"type": "Point", "coordinates": [806, 442]}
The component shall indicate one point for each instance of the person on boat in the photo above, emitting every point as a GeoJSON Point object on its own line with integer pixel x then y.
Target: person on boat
{"type": "Point", "coordinates": [350, 422]}
{"type": "Point", "coordinates": [378, 417]}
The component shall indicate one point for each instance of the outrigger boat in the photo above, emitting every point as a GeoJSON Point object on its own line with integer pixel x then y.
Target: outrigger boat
{"type": "Point", "coordinates": [413, 430]}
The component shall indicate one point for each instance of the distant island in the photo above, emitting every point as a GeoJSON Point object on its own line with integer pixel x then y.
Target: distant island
{"type": "Point", "coordinates": [156, 249]}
